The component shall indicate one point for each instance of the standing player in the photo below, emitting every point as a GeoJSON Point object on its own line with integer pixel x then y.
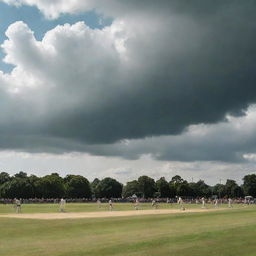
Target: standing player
{"type": "Point", "coordinates": [230, 203]}
{"type": "Point", "coordinates": [99, 203]}
{"type": "Point", "coordinates": [62, 205]}
{"type": "Point", "coordinates": [216, 203]}
{"type": "Point", "coordinates": [136, 204]}
{"type": "Point", "coordinates": [17, 205]}
{"type": "Point", "coordinates": [110, 205]}
{"type": "Point", "coordinates": [203, 203]}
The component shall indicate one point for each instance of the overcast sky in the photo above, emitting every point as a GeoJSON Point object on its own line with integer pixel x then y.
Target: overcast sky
{"type": "Point", "coordinates": [125, 88]}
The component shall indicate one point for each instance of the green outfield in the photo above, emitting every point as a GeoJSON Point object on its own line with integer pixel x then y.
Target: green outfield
{"type": "Point", "coordinates": [92, 207]}
{"type": "Point", "coordinates": [80, 207]}
{"type": "Point", "coordinates": [229, 232]}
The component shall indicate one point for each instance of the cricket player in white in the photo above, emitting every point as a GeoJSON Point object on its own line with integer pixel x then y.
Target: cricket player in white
{"type": "Point", "coordinates": [230, 203]}
{"type": "Point", "coordinates": [110, 205]}
{"type": "Point", "coordinates": [136, 204]}
{"type": "Point", "coordinates": [18, 205]}
{"type": "Point", "coordinates": [62, 205]}
{"type": "Point", "coordinates": [180, 202]}
{"type": "Point", "coordinates": [203, 203]}
{"type": "Point", "coordinates": [99, 203]}
{"type": "Point", "coordinates": [216, 203]}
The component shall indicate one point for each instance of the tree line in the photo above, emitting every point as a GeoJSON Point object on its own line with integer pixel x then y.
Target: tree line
{"type": "Point", "coordinates": [21, 185]}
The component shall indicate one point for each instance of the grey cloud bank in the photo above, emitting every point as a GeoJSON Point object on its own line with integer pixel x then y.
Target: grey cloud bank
{"type": "Point", "coordinates": [162, 69]}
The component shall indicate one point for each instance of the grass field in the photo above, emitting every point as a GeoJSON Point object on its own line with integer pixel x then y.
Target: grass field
{"type": "Point", "coordinates": [229, 232]}
{"type": "Point", "coordinates": [92, 207]}
{"type": "Point", "coordinates": [79, 207]}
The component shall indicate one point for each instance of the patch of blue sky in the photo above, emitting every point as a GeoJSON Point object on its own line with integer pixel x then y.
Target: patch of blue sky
{"type": "Point", "coordinates": [40, 25]}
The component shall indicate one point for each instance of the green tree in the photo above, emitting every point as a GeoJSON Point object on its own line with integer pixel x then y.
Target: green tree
{"type": "Point", "coordinates": [163, 187]}
{"type": "Point", "coordinates": [109, 187]}
{"type": "Point", "coordinates": [232, 189]}
{"type": "Point", "coordinates": [131, 188]}
{"type": "Point", "coordinates": [176, 180]}
{"type": "Point", "coordinates": [237, 192]}
{"type": "Point", "coordinates": [4, 177]}
{"type": "Point", "coordinates": [147, 186]}
{"type": "Point", "coordinates": [33, 179]}
{"type": "Point", "coordinates": [249, 185]}
{"type": "Point", "coordinates": [94, 184]}
{"type": "Point", "coordinates": [194, 189]}
{"type": "Point", "coordinates": [172, 189]}
{"type": "Point", "coordinates": [203, 190]}
{"type": "Point", "coordinates": [22, 175]}
{"type": "Point", "coordinates": [17, 187]}
{"type": "Point", "coordinates": [77, 186]}
{"type": "Point", "coordinates": [219, 190]}
{"type": "Point", "coordinates": [51, 186]}
{"type": "Point", "coordinates": [183, 189]}
{"type": "Point", "coordinates": [180, 186]}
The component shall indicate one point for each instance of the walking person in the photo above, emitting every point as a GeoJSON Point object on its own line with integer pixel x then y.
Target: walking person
{"type": "Point", "coordinates": [154, 204]}
{"type": "Point", "coordinates": [180, 202]}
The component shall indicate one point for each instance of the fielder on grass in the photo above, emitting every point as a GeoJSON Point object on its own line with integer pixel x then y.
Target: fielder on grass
{"type": "Point", "coordinates": [203, 203]}
{"type": "Point", "coordinates": [17, 203]}
{"type": "Point", "coordinates": [180, 202]}
{"type": "Point", "coordinates": [136, 204]}
{"type": "Point", "coordinates": [230, 203]}
{"type": "Point", "coordinates": [110, 205]}
{"type": "Point", "coordinates": [62, 205]}
{"type": "Point", "coordinates": [99, 203]}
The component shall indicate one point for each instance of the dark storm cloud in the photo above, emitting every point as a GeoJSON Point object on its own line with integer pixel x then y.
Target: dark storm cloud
{"type": "Point", "coordinates": [232, 141]}
{"type": "Point", "coordinates": [190, 62]}
{"type": "Point", "coordinates": [212, 73]}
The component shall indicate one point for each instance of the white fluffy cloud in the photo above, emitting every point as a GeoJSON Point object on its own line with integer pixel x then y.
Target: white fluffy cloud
{"type": "Point", "coordinates": [52, 9]}
{"type": "Point", "coordinates": [75, 68]}
{"type": "Point", "coordinates": [67, 62]}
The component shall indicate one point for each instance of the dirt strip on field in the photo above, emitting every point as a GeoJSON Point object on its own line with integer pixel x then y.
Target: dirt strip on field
{"type": "Point", "coordinates": [78, 215]}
